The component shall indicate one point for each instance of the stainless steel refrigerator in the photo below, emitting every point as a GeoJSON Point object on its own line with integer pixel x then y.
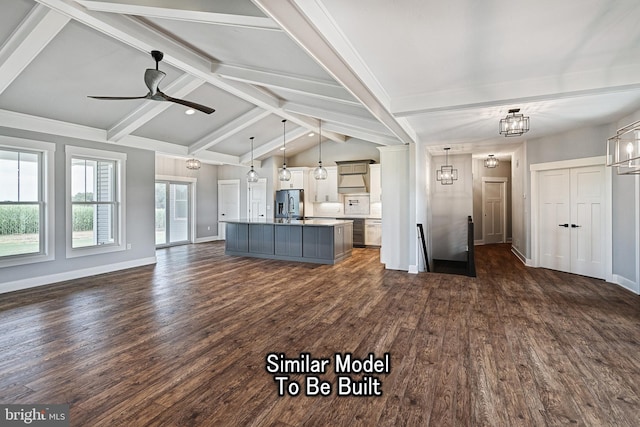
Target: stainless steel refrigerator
{"type": "Point", "coordinates": [289, 204]}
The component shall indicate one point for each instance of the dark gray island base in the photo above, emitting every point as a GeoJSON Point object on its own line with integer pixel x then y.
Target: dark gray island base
{"type": "Point", "coordinates": [316, 241]}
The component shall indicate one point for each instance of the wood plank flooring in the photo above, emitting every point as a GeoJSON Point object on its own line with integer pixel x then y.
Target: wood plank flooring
{"type": "Point", "coordinates": [183, 343]}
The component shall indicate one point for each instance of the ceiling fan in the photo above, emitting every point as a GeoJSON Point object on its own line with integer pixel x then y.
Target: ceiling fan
{"type": "Point", "coordinates": [152, 79]}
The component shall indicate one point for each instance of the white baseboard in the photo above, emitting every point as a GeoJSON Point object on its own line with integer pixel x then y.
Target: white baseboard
{"type": "Point", "coordinates": [478, 242]}
{"type": "Point", "coordinates": [413, 269]}
{"type": "Point", "coordinates": [526, 261]}
{"type": "Point", "coordinates": [626, 283]}
{"type": "Point", "coordinates": [33, 282]}
{"type": "Point", "coordinates": [207, 239]}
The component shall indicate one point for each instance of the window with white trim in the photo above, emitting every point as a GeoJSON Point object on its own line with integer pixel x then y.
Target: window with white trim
{"type": "Point", "coordinates": [95, 202]}
{"type": "Point", "coordinates": [26, 216]}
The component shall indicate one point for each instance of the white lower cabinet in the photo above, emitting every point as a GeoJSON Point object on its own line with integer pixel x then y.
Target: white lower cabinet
{"type": "Point", "coordinates": [373, 232]}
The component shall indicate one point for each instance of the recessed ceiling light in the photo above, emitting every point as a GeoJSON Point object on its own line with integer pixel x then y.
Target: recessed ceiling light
{"type": "Point", "coordinates": [281, 148]}
{"type": "Point", "coordinates": [311, 134]}
{"type": "Point", "coordinates": [190, 111]}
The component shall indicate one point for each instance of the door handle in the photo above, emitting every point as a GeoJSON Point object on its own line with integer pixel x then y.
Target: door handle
{"type": "Point", "coordinates": [563, 225]}
{"type": "Point", "coordinates": [575, 226]}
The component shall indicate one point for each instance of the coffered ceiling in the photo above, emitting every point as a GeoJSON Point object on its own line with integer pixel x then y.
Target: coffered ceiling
{"type": "Point", "coordinates": [409, 71]}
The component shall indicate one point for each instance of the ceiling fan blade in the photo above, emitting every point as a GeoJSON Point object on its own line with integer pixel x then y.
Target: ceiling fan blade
{"type": "Point", "coordinates": [199, 107]}
{"type": "Point", "coordinates": [152, 79]}
{"type": "Point", "coordinates": [117, 97]}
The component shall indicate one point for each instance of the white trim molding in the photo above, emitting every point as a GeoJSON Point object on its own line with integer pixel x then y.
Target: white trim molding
{"type": "Point", "coordinates": [626, 283]}
{"type": "Point", "coordinates": [47, 152]}
{"type": "Point", "coordinates": [608, 186]}
{"type": "Point", "coordinates": [120, 159]}
{"type": "Point", "coordinates": [48, 279]}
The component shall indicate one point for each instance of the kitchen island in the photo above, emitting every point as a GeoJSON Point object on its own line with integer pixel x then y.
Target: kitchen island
{"type": "Point", "coordinates": [320, 241]}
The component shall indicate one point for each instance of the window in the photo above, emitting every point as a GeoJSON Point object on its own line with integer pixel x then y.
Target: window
{"type": "Point", "coordinates": [95, 202]}
{"type": "Point", "coordinates": [26, 216]}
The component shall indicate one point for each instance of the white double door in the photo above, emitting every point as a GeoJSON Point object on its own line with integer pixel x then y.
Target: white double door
{"type": "Point", "coordinates": [572, 220]}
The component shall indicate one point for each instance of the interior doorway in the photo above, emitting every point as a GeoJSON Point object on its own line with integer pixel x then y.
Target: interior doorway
{"type": "Point", "coordinates": [571, 217]}
{"type": "Point", "coordinates": [173, 213]}
{"type": "Point", "coordinates": [494, 210]}
{"type": "Point", "coordinates": [257, 199]}
{"type": "Point", "coordinates": [228, 203]}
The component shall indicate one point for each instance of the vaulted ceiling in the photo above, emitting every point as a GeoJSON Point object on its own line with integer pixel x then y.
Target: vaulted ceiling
{"type": "Point", "coordinates": [387, 72]}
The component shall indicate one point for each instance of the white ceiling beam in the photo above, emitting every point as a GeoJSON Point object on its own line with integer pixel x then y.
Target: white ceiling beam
{"type": "Point", "coordinates": [134, 33]}
{"type": "Point", "coordinates": [272, 146]}
{"type": "Point", "coordinates": [314, 30]}
{"type": "Point", "coordinates": [182, 11]}
{"type": "Point", "coordinates": [296, 84]}
{"type": "Point", "coordinates": [180, 87]}
{"type": "Point", "coordinates": [569, 85]}
{"type": "Point", "coordinates": [39, 27]}
{"type": "Point", "coordinates": [13, 120]}
{"type": "Point", "coordinates": [228, 130]}
{"type": "Point", "coordinates": [363, 134]}
{"type": "Point", "coordinates": [362, 123]}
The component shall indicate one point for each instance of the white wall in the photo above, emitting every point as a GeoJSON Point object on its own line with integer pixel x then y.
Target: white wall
{"type": "Point", "coordinates": [479, 171]}
{"type": "Point", "coordinates": [519, 177]}
{"type": "Point", "coordinates": [140, 228]}
{"type": "Point", "coordinates": [591, 142]}
{"type": "Point", "coordinates": [451, 206]}
{"type": "Point", "coordinates": [352, 149]}
{"type": "Point", "coordinates": [206, 186]}
{"type": "Point", "coordinates": [268, 169]}
{"type": "Point", "coordinates": [395, 252]}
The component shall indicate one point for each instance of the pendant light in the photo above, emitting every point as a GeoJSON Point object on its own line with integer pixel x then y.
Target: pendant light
{"type": "Point", "coordinates": [252, 175]}
{"type": "Point", "coordinates": [320, 173]}
{"type": "Point", "coordinates": [284, 174]}
{"type": "Point", "coordinates": [193, 164]}
{"type": "Point", "coordinates": [447, 174]}
{"type": "Point", "coordinates": [623, 150]}
{"type": "Point", "coordinates": [491, 162]}
{"type": "Point", "coordinates": [514, 124]}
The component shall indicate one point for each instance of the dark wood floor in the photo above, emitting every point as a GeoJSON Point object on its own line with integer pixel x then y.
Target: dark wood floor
{"type": "Point", "coordinates": [184, 343]}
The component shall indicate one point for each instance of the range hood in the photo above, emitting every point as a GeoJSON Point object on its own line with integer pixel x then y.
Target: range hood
{"type": "Point", "coordinates": [353, 176]}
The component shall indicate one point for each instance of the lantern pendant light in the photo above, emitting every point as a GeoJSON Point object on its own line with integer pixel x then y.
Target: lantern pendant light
{"type": "Point", "coordinates": [491, 162]}
{"type": "Point", "coordinates": [284, 174]}
{"type": "Point", "coordinates": [447, 174]}
{"type": "Point", "coordinates": [252, 175]}
{"type": "Point", "coordinates": [320, 173]}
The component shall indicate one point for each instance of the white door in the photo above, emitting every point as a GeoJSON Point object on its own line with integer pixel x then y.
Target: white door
{"type": "Point", "coordinates": [572, 220]}
{"type": "Point", "coordinates": [587, 221]}
{"type": "Point", "coordinates": [494, 211]}
{"type": "Point", "coordinates": [257, 199]}
{"type": "Point", "coordinates": [555, 219]}
{"type": "Point", "coordinates": [228, 203]}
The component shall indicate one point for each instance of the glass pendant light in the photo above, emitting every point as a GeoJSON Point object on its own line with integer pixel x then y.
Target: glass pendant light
{"type": "Point", "coordinates": [252, 175]}
{"type": "Point", "coordinates": [320, 172]}
{"type": "Point", "coordinates": [284, 174]}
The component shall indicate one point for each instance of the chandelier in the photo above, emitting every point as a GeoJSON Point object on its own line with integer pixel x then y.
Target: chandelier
{"type": "Point", "coordinates": [193, 164]}
{"type": "Point", "coordinates": [446, 174]}
{"type": "Point", "coordinates": [514, 124]}
{"type": "Point", "coordinates": [491, 162]}
{"type": "Point", "coordinates": [623, 150]}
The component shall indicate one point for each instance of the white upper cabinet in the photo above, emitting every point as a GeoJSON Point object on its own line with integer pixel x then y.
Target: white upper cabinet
{"type": "Point", "coordinates": [296, 182]}
{"type": "Point", "coordinates": [375, 191]}
{"type": "Point", "coordinates": [325, 190]}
